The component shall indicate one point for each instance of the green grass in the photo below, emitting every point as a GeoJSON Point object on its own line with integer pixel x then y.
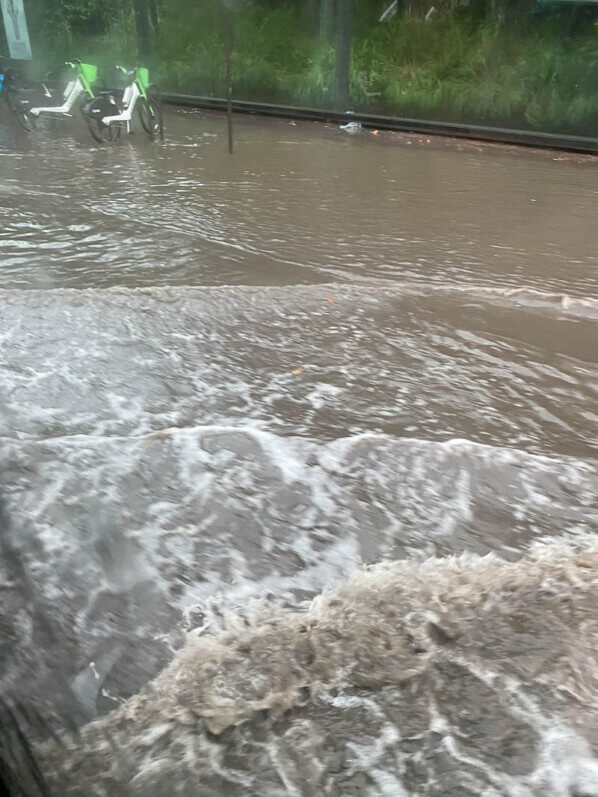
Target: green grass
{"type": "Point", "coordinates": [527, 75]}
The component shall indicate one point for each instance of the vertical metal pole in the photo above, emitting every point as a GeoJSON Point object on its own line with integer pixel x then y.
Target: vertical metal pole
{"type": "Point", "coordinates": [229, 106]}
{"type": "Point", "coordinates": [228, 22]}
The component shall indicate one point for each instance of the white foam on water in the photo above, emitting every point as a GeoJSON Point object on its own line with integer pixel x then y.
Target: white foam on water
{"type": "Point", "coordinates": [393, 626]}
{"type": "Point", "coordinates": [226, 520]}
{"type": "Point", "coordinates": [378, 618]}
{"type": "Point", "coordinates": [127, 362]}
{"type": "Point", "coordinates": [303, 500]}
{"type": "Point", "coordinates": [524, 296]}
{"type": "Point", "coordinates": [566, 765]}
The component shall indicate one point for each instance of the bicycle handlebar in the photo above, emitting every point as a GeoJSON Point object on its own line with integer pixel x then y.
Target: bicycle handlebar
{"type": "Point", "coordinates": [125, 71]}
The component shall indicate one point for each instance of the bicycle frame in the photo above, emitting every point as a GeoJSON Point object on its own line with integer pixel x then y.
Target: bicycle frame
{"type": "Point", "coordinates": [130, 96]}
{"type": "Point", "coordinates": [74, 89]}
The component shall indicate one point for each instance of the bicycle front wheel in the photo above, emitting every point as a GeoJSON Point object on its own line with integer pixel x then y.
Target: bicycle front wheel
{"type": "Point", "coordinates": [150, 116]}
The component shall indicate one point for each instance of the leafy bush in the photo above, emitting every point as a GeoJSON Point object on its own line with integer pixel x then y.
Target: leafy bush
{"type": "Point", "coordinates": [454, 67]}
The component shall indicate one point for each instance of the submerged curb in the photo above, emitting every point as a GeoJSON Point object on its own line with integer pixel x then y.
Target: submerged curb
{"type": "Point", "coordinates": [478, 132]}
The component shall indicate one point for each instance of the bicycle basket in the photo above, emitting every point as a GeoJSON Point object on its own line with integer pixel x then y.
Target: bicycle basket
{"type": "Point", "coordinates": [142, 77]}
{"type": "Point", "coordinates": [88, 72]}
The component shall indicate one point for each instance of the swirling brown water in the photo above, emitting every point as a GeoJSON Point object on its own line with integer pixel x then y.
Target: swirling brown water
{"type": "Point", "coordinates": [228, 383]}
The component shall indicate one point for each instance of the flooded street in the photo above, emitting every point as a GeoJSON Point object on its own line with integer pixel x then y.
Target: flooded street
{"type": "Point", "coordinates": [229, 383]}
{"type": "Point", "coordinates": [298, 203]}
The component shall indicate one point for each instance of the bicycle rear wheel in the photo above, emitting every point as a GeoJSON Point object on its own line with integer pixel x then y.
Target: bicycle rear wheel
{"type": "Point", "coordinates": [101, 132]}
{"type": "Point", "coordinates": [94, 112]}
{"type": "Point", "coordinates": [30, 121]}
{"type": "Point", "coordinates": [150, 116]}
{"type": "Point", "coordinates": [25, 118]}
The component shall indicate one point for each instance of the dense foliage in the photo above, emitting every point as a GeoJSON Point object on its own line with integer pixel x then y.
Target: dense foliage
{"type": "Point", "coordinates": [497, 61]}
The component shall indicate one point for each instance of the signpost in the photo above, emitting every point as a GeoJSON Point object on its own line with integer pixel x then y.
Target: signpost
{"type": "Point", "coordinates": [15, 26]}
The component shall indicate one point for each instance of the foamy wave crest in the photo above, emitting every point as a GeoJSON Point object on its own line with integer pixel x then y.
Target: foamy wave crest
{"type": "Point", "coordinates": [531, 297]}
{"type": "Point", "coordinates": [471, 673]}
{"type": "Point", "coordinates": [385, 625]}
{"type": "Point", "coordinates": [521, 296]}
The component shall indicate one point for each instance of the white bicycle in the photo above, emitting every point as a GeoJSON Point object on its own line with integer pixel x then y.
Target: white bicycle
{"type": "Point", "coordinates": [106, 118]}
{"type": "Point", "coordinates": [34, 111]}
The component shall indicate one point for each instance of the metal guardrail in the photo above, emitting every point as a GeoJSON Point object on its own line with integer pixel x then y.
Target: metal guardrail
{"type": "Point", "coordinates": [503, 135]}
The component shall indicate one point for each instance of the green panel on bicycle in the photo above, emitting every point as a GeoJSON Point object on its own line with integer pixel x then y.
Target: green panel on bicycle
{"type": "Point", "coordinates": [88, 72]}
{"type": "Point", "coordinates": [142, 77]}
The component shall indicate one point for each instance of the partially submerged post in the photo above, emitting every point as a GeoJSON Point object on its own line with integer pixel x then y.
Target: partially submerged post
{"type": "Point", "coordinates": [229, 84]}
{"type": "Point", "coordinates": [228, 7]}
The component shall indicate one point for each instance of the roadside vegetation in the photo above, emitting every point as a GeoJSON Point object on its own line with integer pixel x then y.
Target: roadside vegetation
{"type": "Point", "coordinates": [484, 62]}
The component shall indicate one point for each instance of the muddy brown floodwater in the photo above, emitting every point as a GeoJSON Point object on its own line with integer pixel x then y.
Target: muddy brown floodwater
{"type": "Point", "coordinates": [298, 463]}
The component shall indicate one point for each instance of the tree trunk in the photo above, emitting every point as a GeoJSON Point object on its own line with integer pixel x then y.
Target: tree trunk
{"type": "Point", "coordinates": [312, 17]}
{"type": "Point", "coordinates": [142, 28]}
{"type": "Point", "coordinates": [327, 9]}
{"type": "Point", "coordinates": [153, 14]}
{"type": "Point", "coordinates": [343, 51]}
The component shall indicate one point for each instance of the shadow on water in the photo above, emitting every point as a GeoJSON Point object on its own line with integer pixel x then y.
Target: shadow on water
{"type": "Point", "coordinates": [20, 775]}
